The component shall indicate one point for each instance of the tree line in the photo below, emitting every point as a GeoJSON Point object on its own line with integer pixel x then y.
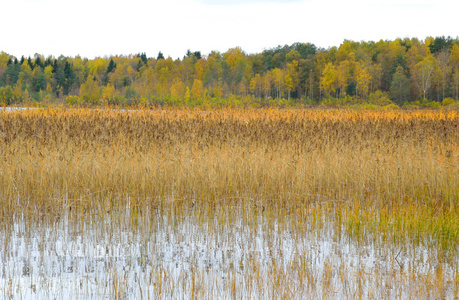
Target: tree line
{"type": "Point", "coordinates": [401, 71]}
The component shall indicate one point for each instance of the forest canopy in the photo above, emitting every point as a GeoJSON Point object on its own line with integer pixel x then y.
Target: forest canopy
{"type": "Point", "coordinates": [403, 72]}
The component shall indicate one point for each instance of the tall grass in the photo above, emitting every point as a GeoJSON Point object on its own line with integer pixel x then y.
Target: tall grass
{"type": "Point", "coordinates": [391, 171]}
{"type": "Point", "coordinates": [382, 176]}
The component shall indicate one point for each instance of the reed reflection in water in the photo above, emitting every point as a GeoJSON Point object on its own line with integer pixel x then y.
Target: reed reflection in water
{"type": "Point", "coordinates": [228, 255]}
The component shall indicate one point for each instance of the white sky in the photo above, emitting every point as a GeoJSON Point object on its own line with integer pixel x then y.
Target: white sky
{"type": "Point", "coordinates": [92, 28]}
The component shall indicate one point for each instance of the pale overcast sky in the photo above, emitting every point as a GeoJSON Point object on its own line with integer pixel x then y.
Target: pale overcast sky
{"type": "Point", "coordinates": [92, 28]}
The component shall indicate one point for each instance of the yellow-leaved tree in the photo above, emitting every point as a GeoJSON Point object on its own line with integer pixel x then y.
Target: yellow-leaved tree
{"type": "Point", "coordinates": [454, 62]}
{"type": "Point", "coordinates": [278, 79]}
{"type": "Point", "coordinates": [329, 79]}
{"type": "Point", "coordinates": [178, 89]}
{"type": "Point", "coordinates": [363, 80]}
{"type": "Point", "coordinates": [197, 90]}
{"type": "Point", "coordinates": [256, 85]}
{"type": "Point", "coordinates": [108, 94]}
{"type": "Point", "coordinates": [187, 95]}
{"type": "Point", "coordinates": [267, 84]}
{"type": "Point", "coordinates": [4, 58]}
{"type": "Point", "coordinates": [90, 90]}
{"type": "Point", "coordinates": [292, 76]}
{"type": "Point", "coordinates": [423, 71]}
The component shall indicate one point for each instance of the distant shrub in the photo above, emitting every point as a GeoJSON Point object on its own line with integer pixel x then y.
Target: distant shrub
{"type": "Point", "coordinates": [332, 101]}
{"type": "Point", "coordinates": [391, 106]}
{"type": "Point", "coordinates": [429, 104]}
{"type": "Point", "coordinates": [6, 95]}
{"type": "Point", "coordinates": [433, 104]}
{"type": "Point", "coordinates": [447, 101]}
{"type": "Point", "coordinates": [422, 103]}
{"type": "Point", "coordinates": [412, 104]}
{"type": "Point", "coordinates": [73, 100]}
{"type": "Point", "coordinates": [379, 98]}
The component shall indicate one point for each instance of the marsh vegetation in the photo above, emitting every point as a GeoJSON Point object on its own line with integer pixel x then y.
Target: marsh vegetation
{"type": "Point", "coordinates": [254, 203]}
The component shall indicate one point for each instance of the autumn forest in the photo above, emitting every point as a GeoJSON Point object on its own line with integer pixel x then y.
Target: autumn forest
{"type": "Point", "coordinates": [403, 72]}
{"type": "Point", "coordinates": [295, 173]}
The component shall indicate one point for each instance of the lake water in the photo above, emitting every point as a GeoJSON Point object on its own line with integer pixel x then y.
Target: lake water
{"type": "Point", "coordinates": [163, 256]}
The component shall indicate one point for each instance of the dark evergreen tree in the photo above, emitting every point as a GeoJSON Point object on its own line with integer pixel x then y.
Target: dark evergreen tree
{"type": "Point", "coordinates": [39, 81]}
{"type": "Point", "coordinates": [143, 57]}
{"type": "Point", "coordinates": [29, 61]}
{"type": "Point", "coordinates": [196, 54]}
{"type": "Point", "coordinates": [275, 57]}
{"type": "Point", "coordinates": [55, 66]}
{"type": "Point", "coordinates": [439, 43]}
{"type": "Point", "coordinates": [305, 49]}
{"type": "Point", "coordinates": [139, 65]}
{"type": "Point", "coordinates": [111, 66]}
{"type": "Point", "coordinates": [400, 62]}
{"type": "Point", "coordinates": [12, 72]}
{"type": "Point", "coordinates": [38, 62]}
{"type": "Point", "coordinates": [69, 77]}
{"type": "Point", "coordinates": [160, 56]}
{"type": "Point", "coordinates": [48, 62]}
{"type": "Point", "coordinates": [351, 88]}
{"type": "Point", "coordinates": [59, 75]}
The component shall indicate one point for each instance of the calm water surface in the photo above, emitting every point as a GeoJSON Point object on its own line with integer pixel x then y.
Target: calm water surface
{"type": "Point", "coordinates": [166, 256]}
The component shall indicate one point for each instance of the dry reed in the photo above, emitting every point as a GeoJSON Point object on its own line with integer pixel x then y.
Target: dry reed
{"type": "Point", "coordinates": [394, 168]}
{"type": "Point", "coordinates": [384, 175]}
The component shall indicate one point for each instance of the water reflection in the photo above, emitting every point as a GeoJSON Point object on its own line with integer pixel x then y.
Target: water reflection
{"type": "Point", "coordinates": [164, 256]}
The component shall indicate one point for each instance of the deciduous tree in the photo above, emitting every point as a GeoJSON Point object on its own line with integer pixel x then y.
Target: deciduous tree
{"type": "Point", "coordinates": [329, 79]}
{"type": "Point", "coordinates": [90, 90]}
{"type": "Point", "coordinates": [178, 89]}
{"type": "Point", "coordinates": [363, 82]}
{"type": "Point", "coordinates": [197, 91]}
{"type": "Point", "coordinates": [400, 86]}
{"type": "Point", "coordinates": [422, 74]}
{"type": "Point", "coordinates": [278, 80]}
{"type": "Point", "coordinates": [344, 75]}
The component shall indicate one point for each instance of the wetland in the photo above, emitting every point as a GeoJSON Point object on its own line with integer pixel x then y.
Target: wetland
{"type": "Point", "coordinates": [230, 203]}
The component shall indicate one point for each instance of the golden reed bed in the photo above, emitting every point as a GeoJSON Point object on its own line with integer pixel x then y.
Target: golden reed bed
{"type": "Point", "coordinates": [394, 172]}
